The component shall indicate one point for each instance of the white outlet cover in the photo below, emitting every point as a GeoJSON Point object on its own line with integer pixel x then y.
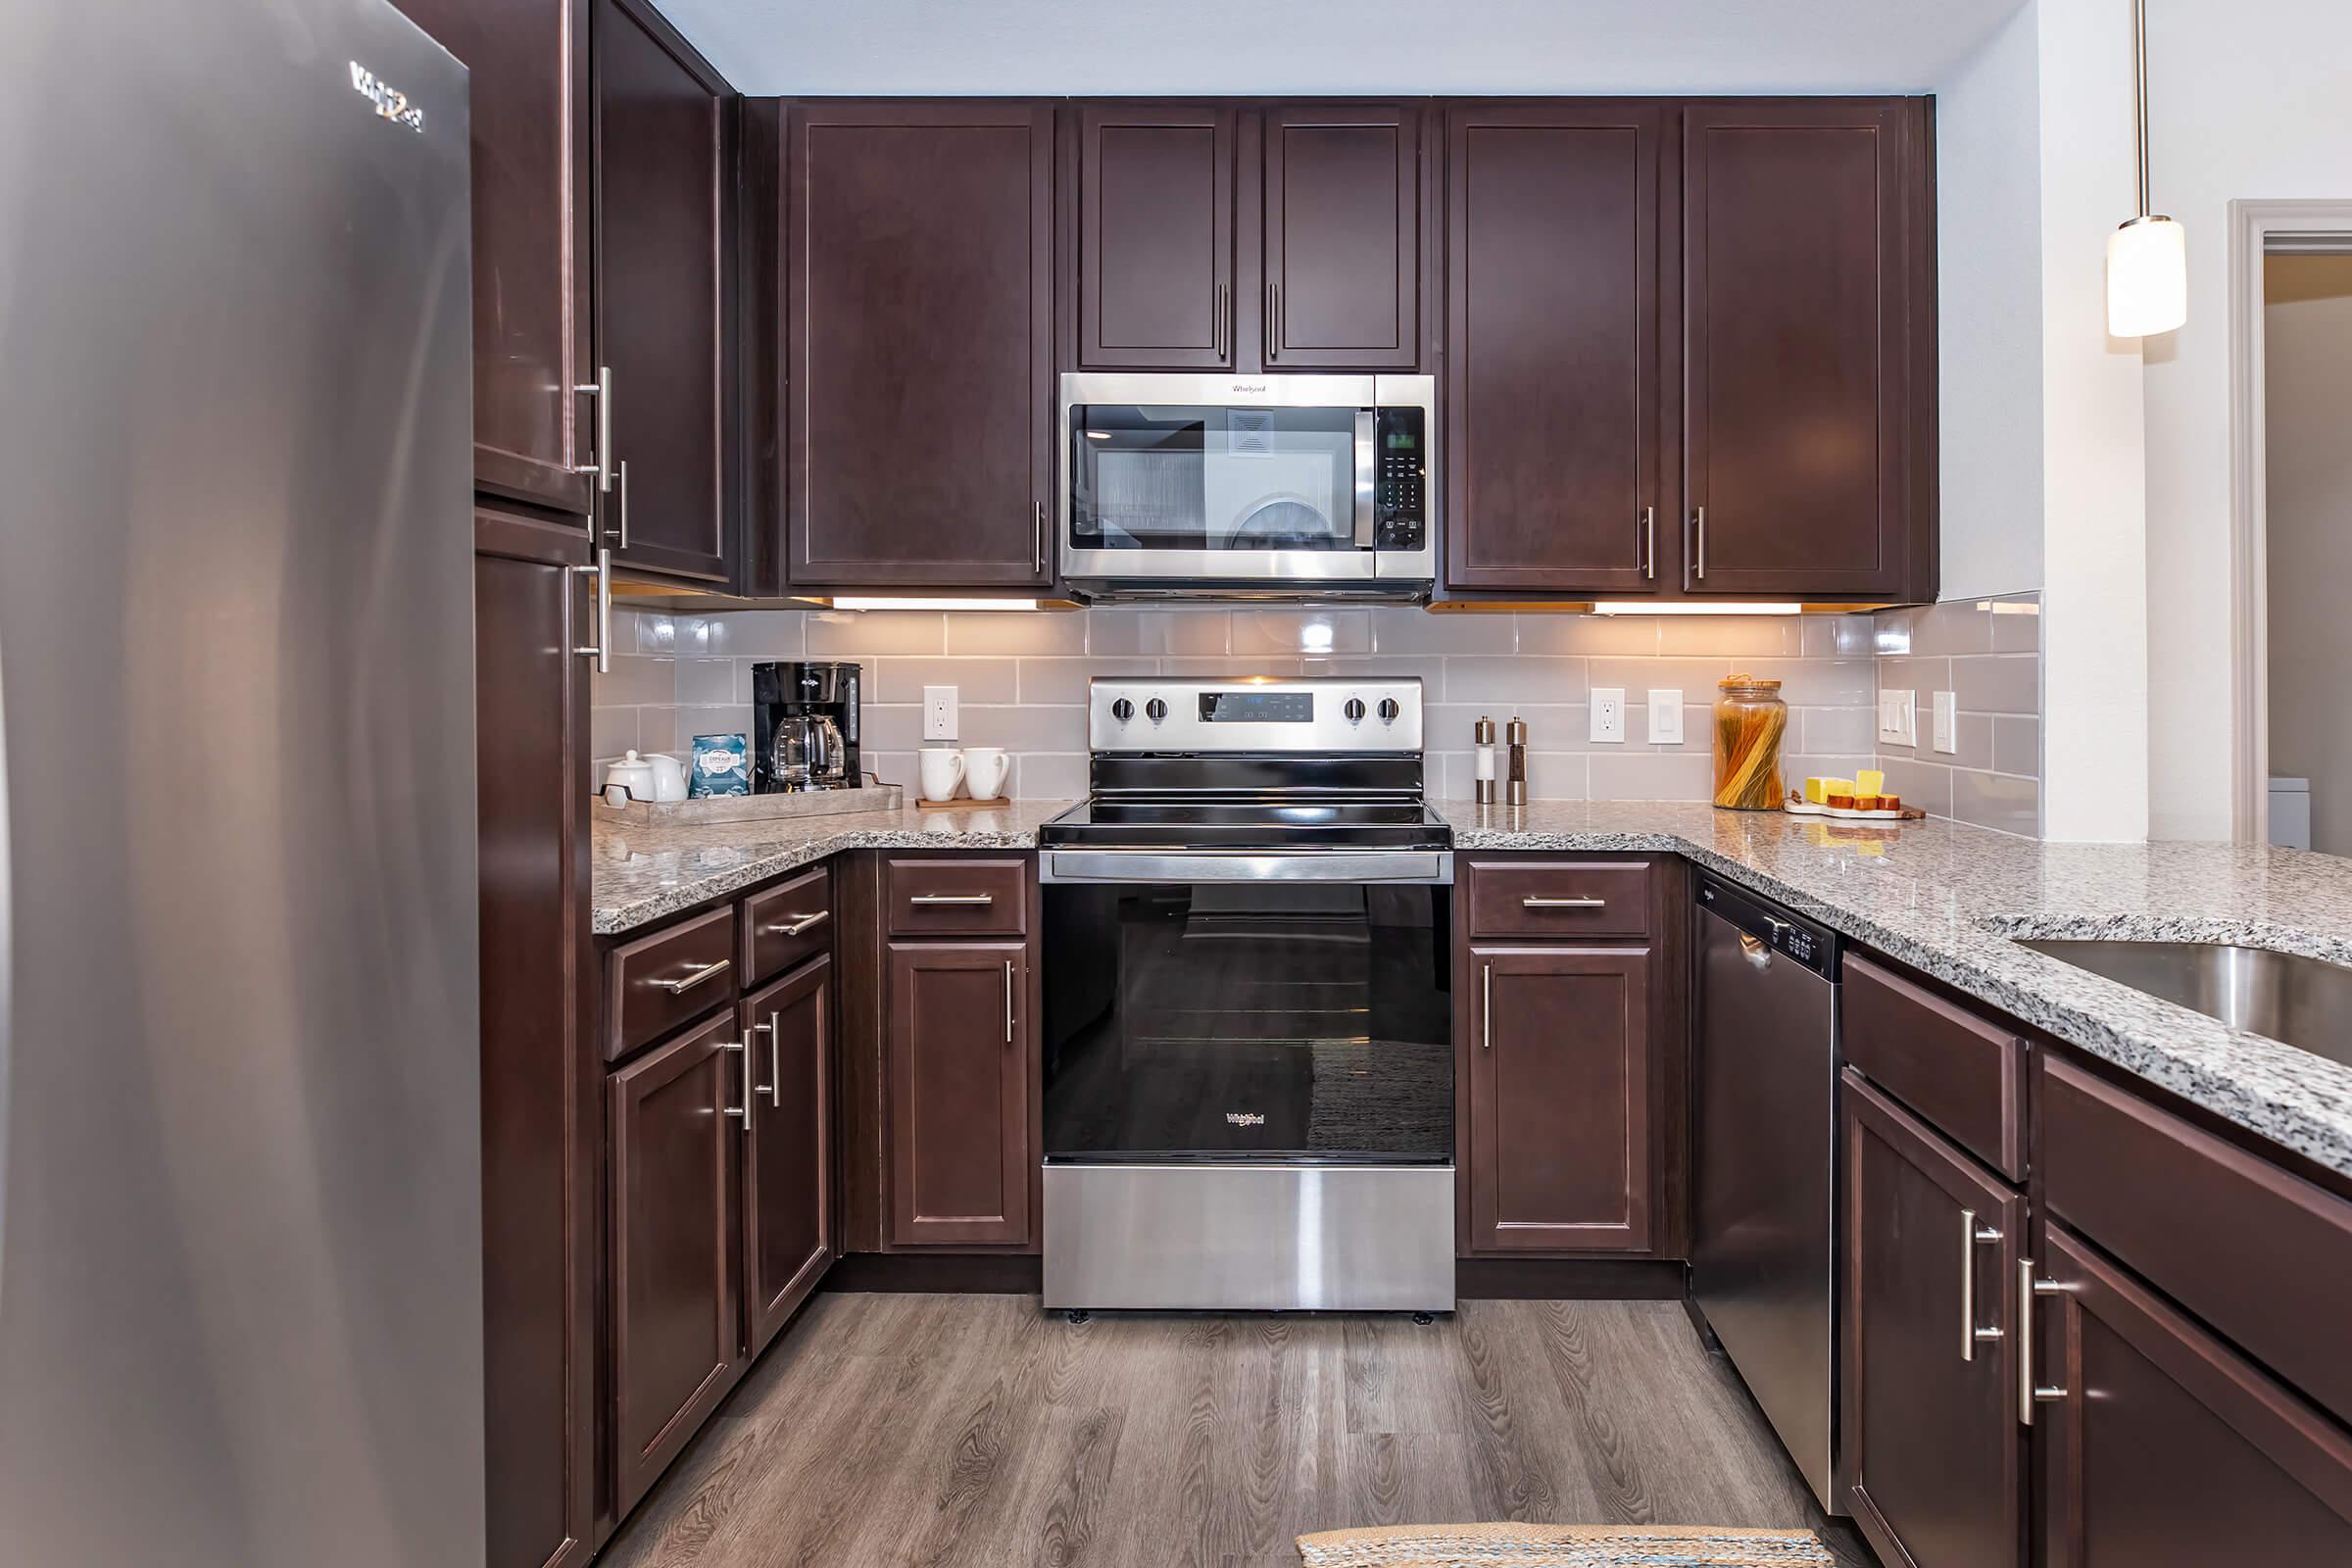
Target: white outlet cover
{"type": "Point", "coordinates": [1665, 715]}
{"type": "Point", "coordinates": [1898, 717]}
{"type": "Point", "coordinates": [1947, 721]}
{"type": "Point", "coordinates": [1608, 713]}
{"type": "Point", "coordinates": [939, 712]}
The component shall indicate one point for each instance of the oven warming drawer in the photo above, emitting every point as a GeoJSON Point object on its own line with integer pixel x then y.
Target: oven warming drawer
{"type": "Point", "coordinates": [1249, 1237]}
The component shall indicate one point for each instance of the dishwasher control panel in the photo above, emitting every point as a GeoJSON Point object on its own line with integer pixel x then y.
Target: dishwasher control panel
{"type": "Point", "coordinates": [1814, 947]}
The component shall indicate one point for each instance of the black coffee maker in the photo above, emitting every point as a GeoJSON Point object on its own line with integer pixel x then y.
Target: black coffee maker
{"type": "Point", "coordinates": [805, 727]}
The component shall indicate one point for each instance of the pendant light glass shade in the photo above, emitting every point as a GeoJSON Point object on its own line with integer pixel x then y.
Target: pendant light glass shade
{"type": "Point", "coordinates": [2148, 278]}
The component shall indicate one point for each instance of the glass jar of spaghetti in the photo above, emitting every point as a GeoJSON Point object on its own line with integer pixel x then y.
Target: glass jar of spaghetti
{"type": "Point", "coordinates": [1749, 720]}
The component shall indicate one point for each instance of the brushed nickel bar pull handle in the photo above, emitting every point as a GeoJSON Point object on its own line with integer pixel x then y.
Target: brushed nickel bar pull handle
{"type": "Point", "coordinates": [1486, 1006]}
{"type": "Point", "coordinates": [624, 503]}
{"type": "Point", "coordinates": [602, 653]}
{"type": "Point", "coordinates": [692, 978]}
{"type": "Point", "coordinates": [743, 1110]}
{"type": "Point", "coordinates": [1970, 1236]}
{"type": "Point", "coordinates": [1041, 536]}
{"type": "Point", "coordinates": [1537, 901]}
{"type": "Point", "coordinates": [1649, 542]}
{"type": "Point", "coordinates": [937, 900]}
{"type": "Point", "coordinates": [600, 462]}
{"type": "Point", "coordinates": [1220, 329]}
{"type": "Point", "coordinates": [792, 925]}
{"type": "Point", "coordinates": [1009, 1001]}
{"type": "Point", "coordinates": [775, 1060]}
{"type": "Point", "coordinates": [1273, 305]}
{"type": "Point", "coordinates": [769, 1029]}
{"type": "Point", "coordinates": [2028, 1393]}
{"type": "Point", "coordinates": [1701, 526]}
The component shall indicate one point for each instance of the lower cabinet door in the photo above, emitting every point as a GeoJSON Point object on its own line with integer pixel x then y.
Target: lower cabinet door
{"type": "Point", "coordinates": [787, 1160]}
{"type": "Point", "coordinates": [1557, 1067]}
{"type": "Point", "coordinates": [959, 1094]}
{"type": "Point", "coordinates": [2167, 1450]}
{"type": "Point", "coordinates": [1933, 1446]}
{"type": "Point", "coordinates": [675, 1119]}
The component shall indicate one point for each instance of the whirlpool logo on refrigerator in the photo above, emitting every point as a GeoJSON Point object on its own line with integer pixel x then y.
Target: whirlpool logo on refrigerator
{"type": "Point", "coordinates": [1246, 1118]}
{"type": "Point", "coordinates": [390, 102]}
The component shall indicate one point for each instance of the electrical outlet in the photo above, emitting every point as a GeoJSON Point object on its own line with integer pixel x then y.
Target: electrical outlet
{"type": "Point", "coordinates": [1665, 716]}
{"type": "Point", "coordinates": [1608, 713]}
{"type": "Point", "coordinates": [939, 712]}
{"type": "Point", "coordinates": [1898, 717]}
{"type": "Point", "coordinates": [1947, 721]}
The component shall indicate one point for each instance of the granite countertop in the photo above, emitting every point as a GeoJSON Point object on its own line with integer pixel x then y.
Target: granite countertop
{"type": "Point", "coordinates": [1942, 897]}
{"type": "Point", "coordinates": [1948, 898]}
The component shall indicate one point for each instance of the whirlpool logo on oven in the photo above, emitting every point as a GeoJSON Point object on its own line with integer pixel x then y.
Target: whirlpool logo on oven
{"type": "Point", "coordinates": [1246, 1118]}
{"type": "Point", "coordinates": [390, 102]}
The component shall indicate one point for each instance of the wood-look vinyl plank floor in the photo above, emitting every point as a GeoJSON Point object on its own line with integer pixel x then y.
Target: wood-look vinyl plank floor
{"type": "Point", "coordinates": [905, 1431]}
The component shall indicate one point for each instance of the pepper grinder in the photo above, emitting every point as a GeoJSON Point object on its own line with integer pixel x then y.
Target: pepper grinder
{"type": "Point", "coordinates": [1518, 734]}
{"type": "Point", "coordinates": [1483, 734]}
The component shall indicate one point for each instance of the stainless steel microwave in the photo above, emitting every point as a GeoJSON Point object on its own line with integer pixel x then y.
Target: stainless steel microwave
{"type": "Point", "coordinates": [1276, 485]}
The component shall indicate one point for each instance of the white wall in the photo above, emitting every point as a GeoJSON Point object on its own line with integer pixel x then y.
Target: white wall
{"type": "Point", "coordinates": [2308, 372]}
{"type": "Point", "coordinates": [2250, 100]}
{"type": "Point", "coordinates": [2095, 631]}
{"type": "Point", "coordinates": [1989, 262]}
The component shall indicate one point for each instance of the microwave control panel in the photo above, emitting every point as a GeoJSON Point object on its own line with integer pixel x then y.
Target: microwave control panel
{"type": "Point", "coordinates": [1401, 495]}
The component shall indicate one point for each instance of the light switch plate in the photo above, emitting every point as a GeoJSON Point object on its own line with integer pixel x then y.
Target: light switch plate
{"type": "Point", "coordinates": [1665, 716]}
{"type": "Point", "coordinates": [1898, 717]}
{"type": "Point", "coordinates": [939, 712]}
{"type": "Point", "coordinates": [1947, 721]}
{"type": "Point", "coordinates": [1608, 713]}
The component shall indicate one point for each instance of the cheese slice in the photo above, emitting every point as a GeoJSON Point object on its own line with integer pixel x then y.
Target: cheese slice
{"type": "Point", "coordinates": [1817, 790]}
{"type": "Point", "coordinates": [1870, 781]}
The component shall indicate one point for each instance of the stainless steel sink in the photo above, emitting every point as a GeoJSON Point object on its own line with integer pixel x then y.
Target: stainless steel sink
{"type": "Point", "coordinates": [2304, 1002]}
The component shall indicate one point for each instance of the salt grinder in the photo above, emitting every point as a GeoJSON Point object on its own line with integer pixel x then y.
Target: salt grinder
{"type": "Point", "coordinates": [1483, 733]}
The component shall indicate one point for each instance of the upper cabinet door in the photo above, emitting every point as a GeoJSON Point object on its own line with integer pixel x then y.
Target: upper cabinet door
{"type": "Point", "coordinates": [1554, 403]}
{"type": "Point", "coordinates": [1811, 348]}
{"type": "Point", "coordinates": [1155, 286]}
{"type": "Point", "coordinates": [662, 238]}
{"type": "Point", "coordinates": [919, 358]}
{"type": "Point", "coordinates": [529, 66]}
{"type": "Point", "coordinates": [1344, 238]}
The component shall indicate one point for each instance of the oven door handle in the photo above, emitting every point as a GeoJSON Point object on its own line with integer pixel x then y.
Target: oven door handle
{"type": "Point", "coordinates": [1330, 866]}
{"type": "Point", "coordinates": [1367, 476]}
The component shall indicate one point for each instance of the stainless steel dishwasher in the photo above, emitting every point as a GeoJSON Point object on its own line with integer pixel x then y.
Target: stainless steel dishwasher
{"type": "Point", "coordinates": [1763, 1250]}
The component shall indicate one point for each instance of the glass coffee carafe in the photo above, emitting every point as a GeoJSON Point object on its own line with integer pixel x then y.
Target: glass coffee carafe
{"type": "Point", "coordinates": [808, 753]}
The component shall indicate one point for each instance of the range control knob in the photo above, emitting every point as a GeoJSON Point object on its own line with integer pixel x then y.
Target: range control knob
{"type": "Point", "coordinates": [1354, 710]}
{"type": "Point", "coordinates": [1155, 709]}
{"type": "Point", "coordinates": [1388, 709]}
{"type": "Point", "coordinates": [1122, 709]}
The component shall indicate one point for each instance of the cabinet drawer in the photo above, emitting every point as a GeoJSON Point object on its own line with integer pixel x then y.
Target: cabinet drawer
{"type": "Point", "coordinates": [786, 925]}
{"type": "Point", "coordinates": [657, 982]}
{"type": "Point", "coordinates": [958, 897]}
{"type": "Point", "coordinates": [1964, 1074]}
{"type": "Point", "coordinates": [2261, 1255]}
{"type": "Point", "coordinates": [1567, 899]}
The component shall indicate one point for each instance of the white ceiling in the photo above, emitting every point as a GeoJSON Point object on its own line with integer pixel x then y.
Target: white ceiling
{"type": "Point", "coordinates": [1086, 47]}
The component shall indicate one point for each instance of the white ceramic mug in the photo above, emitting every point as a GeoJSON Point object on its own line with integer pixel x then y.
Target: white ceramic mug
{"type": "Point", "coordinates": [942, 772]}
{"type": "Point", "coordinates": [983, 770]}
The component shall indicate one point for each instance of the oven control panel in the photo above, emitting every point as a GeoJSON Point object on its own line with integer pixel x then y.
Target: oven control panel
{"type": "Point", "coordinates": [1254, 713]}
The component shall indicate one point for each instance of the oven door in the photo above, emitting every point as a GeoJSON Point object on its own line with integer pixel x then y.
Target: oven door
{"type": "Point", "coordinates": [1249, 1021]}
{"type": "Point", "coordinates": [1265, 480]}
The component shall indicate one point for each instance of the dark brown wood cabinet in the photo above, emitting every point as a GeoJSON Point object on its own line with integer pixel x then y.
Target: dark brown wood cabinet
{"type": "Point", "coordinates": [2165, 1448]}
{"type": "Point", "coordinates": [674, 1120]}
{"type": "Point", "coordinates": [528, 61]}
{"type": "Point", "coordinates": [962, 1126]}
{"type": "Point", "coordinates": [1156, 245]}
{"type": "Point", "coordinates": [1933, 1449]}
{"type": "Point", "coordinates": [788, 1151]}
{"type": "Point", "coordinates": [1347, 191]}
{"type": "Point", "coordinates": [1809, 348]}
{"type": "Point", "coordinates": [1559, 293]}
{"type": "Point", "coordinates": [664, 297]}
{"type": "Point", "coordinates": [539, 1110]}
{"type": "Point", "coordinates": [919, 349]}
{"type": "Point", "coordinates": [1557, 1082]}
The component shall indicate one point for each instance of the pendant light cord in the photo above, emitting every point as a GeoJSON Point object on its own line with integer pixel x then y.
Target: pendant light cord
{"type": "Point", "coordinates": [2139, 94]}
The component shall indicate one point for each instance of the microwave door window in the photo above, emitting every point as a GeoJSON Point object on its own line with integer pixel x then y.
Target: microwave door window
{"type": "Point", "coordinates": [1156, 477]}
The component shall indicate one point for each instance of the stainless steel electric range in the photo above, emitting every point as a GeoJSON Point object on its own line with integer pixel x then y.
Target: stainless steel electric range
{"type": "Point", "coordinates": [1248, 1053]}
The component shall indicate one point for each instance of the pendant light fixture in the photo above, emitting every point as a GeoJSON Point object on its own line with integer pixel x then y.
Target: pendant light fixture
{"type": "Point", "coordinates": [2148, 257]}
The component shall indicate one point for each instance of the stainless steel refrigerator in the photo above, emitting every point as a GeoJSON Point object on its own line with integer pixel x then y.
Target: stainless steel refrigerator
{"type": "Point", "coordinates": [240, 1276]}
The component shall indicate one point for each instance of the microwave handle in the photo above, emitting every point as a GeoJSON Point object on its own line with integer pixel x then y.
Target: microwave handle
{"type": "Point", "coordinates": [1367, 475]}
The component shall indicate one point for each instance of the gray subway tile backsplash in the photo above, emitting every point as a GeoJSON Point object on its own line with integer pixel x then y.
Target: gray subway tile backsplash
{"type": "Point", "coordinates": [1021, 680]}
{"type": "Point", "coordinates": [1987, 652]}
